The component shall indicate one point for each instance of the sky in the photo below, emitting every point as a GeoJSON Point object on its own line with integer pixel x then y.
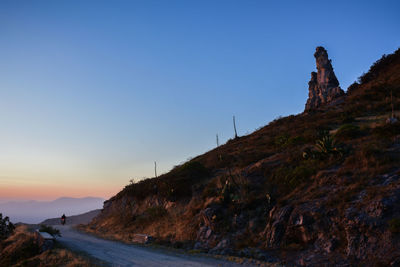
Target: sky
{"type": "Point", "coordinates": [93, 92]}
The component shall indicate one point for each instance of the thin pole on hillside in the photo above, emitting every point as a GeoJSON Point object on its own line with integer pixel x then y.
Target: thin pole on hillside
{"type": "Point", "coordinates": [217, 141]}
{"type": "Point", "coordinates": [234, 126]}
{"type": "Point", "coordinates": [155, 168]}
{"type": "Point", "coordinates": [391, 100]}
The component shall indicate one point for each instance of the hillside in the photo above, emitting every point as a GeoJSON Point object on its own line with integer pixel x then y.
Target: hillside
{"type": "Point", "coordinates": [320, 187]}
{"type": "Point", "coordinates": [75, 219]}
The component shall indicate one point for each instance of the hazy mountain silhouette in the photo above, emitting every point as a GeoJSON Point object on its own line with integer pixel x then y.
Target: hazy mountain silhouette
{"type": "Point", "coordinates": [36, 211]}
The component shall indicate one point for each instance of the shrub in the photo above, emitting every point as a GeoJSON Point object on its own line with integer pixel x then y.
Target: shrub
{"type": "Point", "coordinates": [289, 177]}
{"type": "Point", "coordinates": [238, 189]}
{"type": "Point", "coordinates": [140, 190]}
{"type": "Point", "coordinates": [151, 214]}
{"type": "Point", "coordinates": [387, 130]}
{"type": "Point", "coordinates": [295, 140]}
{"type": "Point", "coordinates": [394, 225]}
{"type": "Point", "coordinates": [281, 140]}
{"type": "Point", "coordinates": [210, 190]}
{"type": "Point", "coordinates": [346, 117]}
{"type": "Point", "coordinates": [174, 185]}
{"type": "Point", "coordinates": [156, 212]}
{"type": "Point", "coordinates": [369, 160]}
{"type": "Point", "coordinates": [348, 131]}
{"type": "Point", "coordinates": [284, 141]}
{"type": "Point", "coordinates": [193, 169]}
{"type": "Point", "coordinates": [178, 183]}
{"type": "Point", "coordinates": [310, 135]}
{"type": "Point", "coordinates": [48, 229]}
{"type": "Point", "coordinates": [6, 227]}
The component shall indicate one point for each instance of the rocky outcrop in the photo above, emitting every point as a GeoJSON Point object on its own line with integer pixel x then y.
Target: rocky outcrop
{"type": "Point", "coordinates": [323, 86]}
{"type": "Point", "coordinates": [356, 232]}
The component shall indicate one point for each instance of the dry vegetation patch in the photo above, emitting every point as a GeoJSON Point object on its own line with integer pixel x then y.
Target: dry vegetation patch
{"type": "Point", "coordinates": [23, 248]}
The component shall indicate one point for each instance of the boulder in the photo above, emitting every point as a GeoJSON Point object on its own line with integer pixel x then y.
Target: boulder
{"type": "Point", "coordinates": [222, 248]}
{"type": "Point", "coordinates": [142, 238]}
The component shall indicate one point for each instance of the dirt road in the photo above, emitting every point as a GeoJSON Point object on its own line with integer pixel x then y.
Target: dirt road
{"type": "Point", "coordinates": [120, 254]}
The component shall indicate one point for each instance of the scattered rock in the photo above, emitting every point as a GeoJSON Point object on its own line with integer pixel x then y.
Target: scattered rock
{"type": "Point", "coordinates": [45, 240]}
{"type": "Point", "coordinates": [391, 120]}
{"type": "Point", "coordinates": [276, 228]}
{"type": "Point", "coordinates": [264, 256]}
{"type": "Point", "coordinates": [245, 253]}
{"type": "Point", "coordinates": [327, 245]}
{"type": "Point", "coordinates": [198, 245]}
{"type": "Point", "coordinates": [209, 216]}
{"type": "Point", "coordinates": [222, 248]}
{"type": "Point", "coordinates": [206, 238]}
{"type": "Point", "coordinates": [169, 204]}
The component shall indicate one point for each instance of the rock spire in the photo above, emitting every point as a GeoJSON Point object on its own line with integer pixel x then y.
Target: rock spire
{"type": "Point", "coordinates": [323, 86]}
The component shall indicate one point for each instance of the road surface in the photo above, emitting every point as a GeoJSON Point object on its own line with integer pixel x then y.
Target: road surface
{"type": "Point", "coordinates": [120, 254]}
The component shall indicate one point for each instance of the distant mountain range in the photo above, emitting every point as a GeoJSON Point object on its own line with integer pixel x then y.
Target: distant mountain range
{"type": "Point", "coordinates": [36, 211]}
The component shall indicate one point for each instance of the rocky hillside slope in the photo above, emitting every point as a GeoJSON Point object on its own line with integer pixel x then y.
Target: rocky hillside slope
{"type": "Point", "coordinates": [321, 187]}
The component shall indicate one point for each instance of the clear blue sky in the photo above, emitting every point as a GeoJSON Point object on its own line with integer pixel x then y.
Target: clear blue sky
{"type": "Point", "coordinates": [93, 92]}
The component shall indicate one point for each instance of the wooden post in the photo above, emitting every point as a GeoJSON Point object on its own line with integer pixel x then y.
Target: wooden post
{"type": "Point", "coordinates": [234, 126]}
{"type": "Point", "coordinates": [155, 169]}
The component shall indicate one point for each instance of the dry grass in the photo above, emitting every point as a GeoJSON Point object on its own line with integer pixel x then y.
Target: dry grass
{"type": "Point", "coordinates": [21, 245]}
{"type": "Point", "coordinates": [23, 249]}
{"type": "Point", "coordinates": [57, 257]}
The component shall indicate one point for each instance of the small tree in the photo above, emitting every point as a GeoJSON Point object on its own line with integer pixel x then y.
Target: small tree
{"type": "Point", "coordinates": [6, 227]}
